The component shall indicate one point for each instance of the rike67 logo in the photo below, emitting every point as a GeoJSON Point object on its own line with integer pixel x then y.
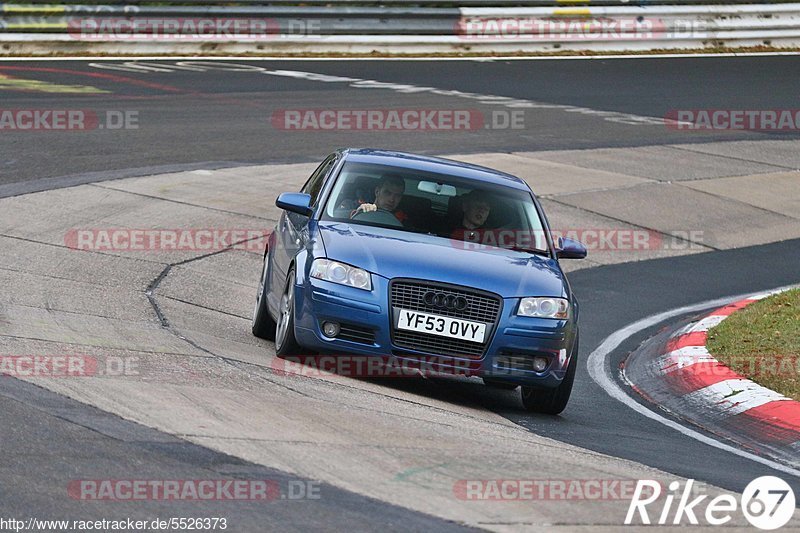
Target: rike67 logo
{"type": "Point", "coordinates": [767, 503]}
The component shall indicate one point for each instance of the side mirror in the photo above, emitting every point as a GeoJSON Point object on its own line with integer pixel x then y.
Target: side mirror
{"type": "Point", "coordinates": [570, 249]}
{"type": "Point", "coordinates": [296, 202]}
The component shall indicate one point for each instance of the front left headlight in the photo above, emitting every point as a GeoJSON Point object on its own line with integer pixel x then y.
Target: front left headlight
{"type": "Point", "coordinates": [544, 308]}
{"type": "Point", "coordinates": [341, 273]}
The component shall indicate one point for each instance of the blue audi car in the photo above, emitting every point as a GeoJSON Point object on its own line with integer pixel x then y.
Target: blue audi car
{"type": "Point", "coordinates": [405, 257]}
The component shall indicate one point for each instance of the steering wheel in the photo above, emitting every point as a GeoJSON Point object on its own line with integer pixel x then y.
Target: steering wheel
{"type": "Point", "coordinates": [379, 216]}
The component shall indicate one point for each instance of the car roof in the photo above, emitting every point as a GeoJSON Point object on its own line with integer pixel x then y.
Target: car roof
{"type": "Point", "coordinates": [437, 165]}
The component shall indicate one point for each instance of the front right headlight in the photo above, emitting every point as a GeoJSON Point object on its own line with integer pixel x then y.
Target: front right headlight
{"type": "Point", "coordinates": [544, 308]}
{"type": "Point", "coordinates": [341, 273]}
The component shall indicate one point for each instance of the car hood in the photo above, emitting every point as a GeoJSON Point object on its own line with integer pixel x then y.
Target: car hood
{"type": "Point", "coordinates": [397, 254]}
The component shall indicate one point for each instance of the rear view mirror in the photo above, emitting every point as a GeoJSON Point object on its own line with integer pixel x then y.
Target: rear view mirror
{"type": "Point", "coordinates": [438, 189]}
{"type": "Point", "coordinates": [570, 249]}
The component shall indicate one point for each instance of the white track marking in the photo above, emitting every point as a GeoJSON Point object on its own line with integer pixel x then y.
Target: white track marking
{"type": "Point", "coordinates": [762, 295]}
{"type": "Point", "coordinates": [600, 371]}
{"type": "Point", "coordinates": [146, 67]}
{"type": "Point", "coordinates": [683, 357]}
{"type": "Point", "coordinates": [486, 99]}
{"type": "Point", "coordinates": [733, 397]}
{"type": "Point", "coordinates": [700, 326]}
{"type": "Point", "coordinates": [707, 323]}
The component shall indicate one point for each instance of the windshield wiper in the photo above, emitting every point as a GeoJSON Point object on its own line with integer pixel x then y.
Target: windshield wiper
{"type": "Point", "coordinates": [534, 251]}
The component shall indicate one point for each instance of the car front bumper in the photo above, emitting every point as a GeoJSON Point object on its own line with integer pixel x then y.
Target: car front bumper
{"type": "Point", "coordinates": [514, 342]}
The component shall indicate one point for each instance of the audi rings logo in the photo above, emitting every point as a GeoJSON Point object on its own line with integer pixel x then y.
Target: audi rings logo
{"type": "Point", "coordinates": [445, 301]}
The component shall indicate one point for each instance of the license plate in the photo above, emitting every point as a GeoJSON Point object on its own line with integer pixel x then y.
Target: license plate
{"type": "Point", "coordinates": [443, 326]}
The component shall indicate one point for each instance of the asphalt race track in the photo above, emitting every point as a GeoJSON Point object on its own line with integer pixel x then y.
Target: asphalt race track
{"type": "Point", "coordinates": [206, 117]}
{"type": "Point", "coordinates": [222, 117]}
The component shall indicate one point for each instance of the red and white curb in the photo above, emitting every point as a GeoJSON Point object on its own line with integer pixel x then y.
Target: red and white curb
{"type": "Point", "coordinates": [724, 397]}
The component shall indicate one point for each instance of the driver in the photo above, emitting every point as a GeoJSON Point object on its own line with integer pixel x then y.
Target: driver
{"type": "Point", "coordinates": [388, 194]}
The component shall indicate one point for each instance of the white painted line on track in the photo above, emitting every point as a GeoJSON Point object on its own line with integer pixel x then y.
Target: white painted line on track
{"type": "Point", "coordinates": [733, 396]}
{"type": "Point", "coordinates": [699, 327]}
{"type": "Point", "coordinates": [684, 357]}
{"type": "Point", "coordinates": [707, 323]}
{"type": "Point", "coordinates": [487, 99]}
{"type": "Point", "coordinates": [146, 67]}
{"type": "Point", "coordinates": [600, 371]}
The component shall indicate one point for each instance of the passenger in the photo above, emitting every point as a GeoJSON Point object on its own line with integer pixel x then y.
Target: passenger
{"type": "Point", "coordinates": [476, 207]}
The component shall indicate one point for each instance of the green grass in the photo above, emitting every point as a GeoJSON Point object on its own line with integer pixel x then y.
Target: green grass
{"type": "Point", "coordinates": [762, 342]}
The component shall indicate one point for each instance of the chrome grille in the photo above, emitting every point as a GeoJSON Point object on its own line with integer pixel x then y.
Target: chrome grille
{"type": "Point", "coordinates": [482, 307]}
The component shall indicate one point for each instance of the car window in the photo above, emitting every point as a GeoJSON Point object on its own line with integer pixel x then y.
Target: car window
{"type": "Point", "coordinates": [435, 204]}
{"type": "Point", "coordinates": [314, 184]}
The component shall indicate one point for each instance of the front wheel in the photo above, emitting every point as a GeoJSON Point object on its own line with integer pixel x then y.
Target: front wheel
{"type": "Point", "coordinates": [263, 325]}
{"type": "Point", "coordinates": [285, 342]}
{"type": "Point", "coordinates": [552, 401]}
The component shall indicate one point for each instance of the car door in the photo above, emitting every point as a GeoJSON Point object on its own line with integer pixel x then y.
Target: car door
{"type": "Point", "coordinates": [292, 231]}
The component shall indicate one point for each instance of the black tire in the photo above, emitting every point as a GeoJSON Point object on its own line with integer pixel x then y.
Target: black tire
{"type": "Point", "coordinates": [552, 401]}
{"type": "Point", "coordinates": [263, 325]}
{"type": "Point", "coordinates": [502, 385]}
{"type": "Point", "coordinates": [285, 341]}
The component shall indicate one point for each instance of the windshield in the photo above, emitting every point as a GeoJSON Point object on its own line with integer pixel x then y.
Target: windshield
{"type": "Point", "coordinates": [480, 215]}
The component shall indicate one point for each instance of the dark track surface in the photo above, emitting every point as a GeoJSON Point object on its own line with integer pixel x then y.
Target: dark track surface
{"type": "Point", "coordinates": [49, 441]}
{"type": "Point", "coordinates": [193, 117]}
{"type": "Point", "coordinates": [225, 118]}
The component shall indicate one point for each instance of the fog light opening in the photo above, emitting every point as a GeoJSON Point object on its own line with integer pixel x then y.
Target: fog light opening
{"type": "Point", "coordinates": [330, 329]}
{"type": "Point", "coordinates": [539, 364]}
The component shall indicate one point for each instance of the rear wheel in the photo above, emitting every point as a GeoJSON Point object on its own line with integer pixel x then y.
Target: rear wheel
{"type": "Point", "coordinates": [263, 325]}
{"type": "Point", "coordinates": [552, 401]}
{"type": "Point", "coordinates": [285, 342]}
